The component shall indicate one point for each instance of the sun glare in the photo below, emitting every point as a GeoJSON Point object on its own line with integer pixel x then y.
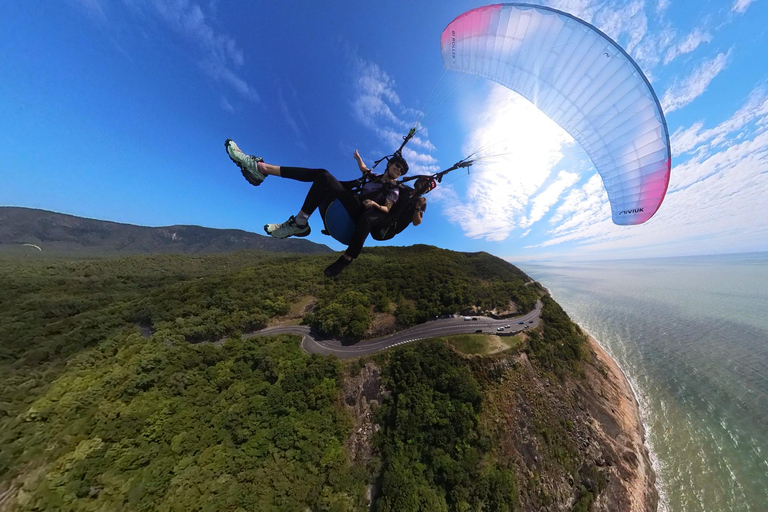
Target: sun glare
{"type": "Point", "coordinates": [518, 149]}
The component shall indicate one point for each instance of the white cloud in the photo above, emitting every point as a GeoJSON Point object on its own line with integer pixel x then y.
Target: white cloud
{"type": "Point", "coordinates": [584, 9]}
{"type": "Point", "coordinates": [629, 19]}
{"type": "Point", "coordinates": [544, 201]}
{"type": "Point", "coordinates": [422, 142]}
{"type": "Point", "coordinates": [291, 118]}
{"type": "Point", "coordinates": [689, 44]}
{"type": "Point", "coordinates": [221, 73]}
{"type": "Point", "coordinates": [681, 93]}
{"type": "Point", "coordinates": [219, 52]}
{"type": "Point", "coordinates": [377, 106]}
{"type": "Point", "coordinates": [711, 205]}
{"type": "Point", "coordinates": [375, 92]}
{"type": "Point", "coordinates": [651, 48]}
{"type": "Point", "coordinates": [226, 105]}
{"type": "Point", "coordinates": [581, 208]}
{"type": "Point", "coordinates": [692, 138]}
{"type": "Point", "coordinates": [92, 8]}
{"type": "Point", "coordinates": [188, 19]}
{"type": "Point", "coordinates": [740, 6]}
{"type": "Point", "coordinates": [684, 140]}
{"type": "Point", "coordinates": [419, 159]}
{"type": "Point", "coordinates": [618, 21]}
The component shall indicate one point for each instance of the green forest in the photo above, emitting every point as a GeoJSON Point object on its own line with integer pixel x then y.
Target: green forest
{"type": "Point", "coordinates": [97, 414]}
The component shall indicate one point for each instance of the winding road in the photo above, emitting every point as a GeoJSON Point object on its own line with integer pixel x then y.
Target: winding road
{"type": "Point", "coordinates": [312, 343]}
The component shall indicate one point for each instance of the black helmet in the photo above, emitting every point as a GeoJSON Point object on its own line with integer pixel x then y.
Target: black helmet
{"type": "Point", "coordinates": [398, 159]}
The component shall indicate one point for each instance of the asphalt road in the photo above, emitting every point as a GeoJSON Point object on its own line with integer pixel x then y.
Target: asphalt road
{"type": "Point", "coordinates": [314, 344]}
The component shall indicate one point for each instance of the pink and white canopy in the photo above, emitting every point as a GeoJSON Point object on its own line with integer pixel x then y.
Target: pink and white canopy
{"type": "Point", "coordinates": [583, 81]}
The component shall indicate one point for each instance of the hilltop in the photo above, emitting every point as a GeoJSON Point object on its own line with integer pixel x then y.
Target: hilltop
{"type": "Point", "coordinates": [59, 234]}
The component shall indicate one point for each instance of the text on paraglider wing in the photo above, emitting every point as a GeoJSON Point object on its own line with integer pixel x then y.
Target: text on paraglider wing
{"type": "Point", "coordinates": [633, 210]}
{"type": "Point", "coordinates": [453, 45]}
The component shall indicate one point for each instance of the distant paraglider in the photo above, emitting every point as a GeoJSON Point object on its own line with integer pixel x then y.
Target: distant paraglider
{"type": "Point", "coordinates": [581, 79]}
{"type": "Point", "coordinates": [33, 245]}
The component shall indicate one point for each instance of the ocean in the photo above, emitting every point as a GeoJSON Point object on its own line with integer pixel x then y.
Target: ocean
{"type": "Point", "coordinates": [691, 334]}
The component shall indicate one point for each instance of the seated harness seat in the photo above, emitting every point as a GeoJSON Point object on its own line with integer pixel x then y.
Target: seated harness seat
{"type": "Point", "coordinates": [340, 225]}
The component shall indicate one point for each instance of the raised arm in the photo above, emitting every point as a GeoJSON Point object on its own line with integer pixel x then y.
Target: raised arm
{"type": "Point", "coordinates": [363, 168]}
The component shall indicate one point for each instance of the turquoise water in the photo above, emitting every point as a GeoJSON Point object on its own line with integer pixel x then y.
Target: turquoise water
{"type": "Point", "coordinates": [692, 336]}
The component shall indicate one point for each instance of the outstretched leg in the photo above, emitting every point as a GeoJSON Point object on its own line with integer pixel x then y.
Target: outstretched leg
{"type": "Point", "coordinates": [324, 185]}
{"type": "Point", "coordinates": [248, 164]}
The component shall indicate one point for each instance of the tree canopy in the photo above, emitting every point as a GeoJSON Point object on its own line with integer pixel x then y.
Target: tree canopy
{"type": "Point", "coordinates": [118, 391]}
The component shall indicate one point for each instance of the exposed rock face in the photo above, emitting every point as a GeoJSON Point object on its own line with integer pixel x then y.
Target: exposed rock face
{"type": "Point", "coordinates": [573, 442]}
{"type": "Point", "coordinates": [362, 393]}
{"type": "Point", "coordinates": [619, 427]}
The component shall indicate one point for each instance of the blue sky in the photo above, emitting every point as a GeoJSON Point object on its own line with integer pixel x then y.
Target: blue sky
{"type": "Point", "coordinates": [118, 110]}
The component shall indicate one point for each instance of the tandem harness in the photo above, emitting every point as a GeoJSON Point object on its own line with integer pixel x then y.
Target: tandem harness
{"type": "Point", "coordinates": [339, 223]}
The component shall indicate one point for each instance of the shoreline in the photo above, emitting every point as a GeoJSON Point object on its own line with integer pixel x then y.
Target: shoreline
{"type": "Point", "coordinates": [642, 487]}
{"type": "Point", "coordinates": [646, 494]}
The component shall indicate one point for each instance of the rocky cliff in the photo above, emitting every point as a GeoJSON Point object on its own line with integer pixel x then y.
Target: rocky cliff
{"type": "Point", "coordinates": [576, 443]}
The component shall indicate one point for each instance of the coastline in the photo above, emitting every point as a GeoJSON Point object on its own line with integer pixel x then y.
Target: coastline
{"type": "Point", "coordinates": [641, 483]}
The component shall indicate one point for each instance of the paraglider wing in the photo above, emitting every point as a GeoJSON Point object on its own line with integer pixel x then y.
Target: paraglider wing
{"type": "Point", "coordinates": [582, 80]}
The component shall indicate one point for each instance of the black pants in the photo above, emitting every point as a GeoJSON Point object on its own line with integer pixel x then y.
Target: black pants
{"type": "Point", "coordinates": [325, 185]}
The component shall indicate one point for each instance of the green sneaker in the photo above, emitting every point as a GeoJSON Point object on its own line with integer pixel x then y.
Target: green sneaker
{"type": "Point", "coordinates": [287, 228]}
{"type": "Point", "coordinates": [246, 163]}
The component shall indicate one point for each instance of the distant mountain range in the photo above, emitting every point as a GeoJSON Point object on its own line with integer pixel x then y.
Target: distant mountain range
{"type": "Point", "coordinates": [61, 234]}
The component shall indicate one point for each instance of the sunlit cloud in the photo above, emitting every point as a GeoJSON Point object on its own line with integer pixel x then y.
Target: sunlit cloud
{"type": "Point", "coordinates": [650, 50]}
{"type": "Point", "coordinates": [518, 149]}
{"type": "Point", "coordinates": [740, 6]}
{"type": "Point", "coordinates": [582, 207]}
{"type": "Point", "coordinates": [375, 92]}
{"type": "Point", "coordinates": [219, 72]}
{"type": "Point", "coordinates": [626, 24]}
{"type": "Point", "coordinates": [188, 19]}
{"type": "Point", "coordinates": [543, 201]}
